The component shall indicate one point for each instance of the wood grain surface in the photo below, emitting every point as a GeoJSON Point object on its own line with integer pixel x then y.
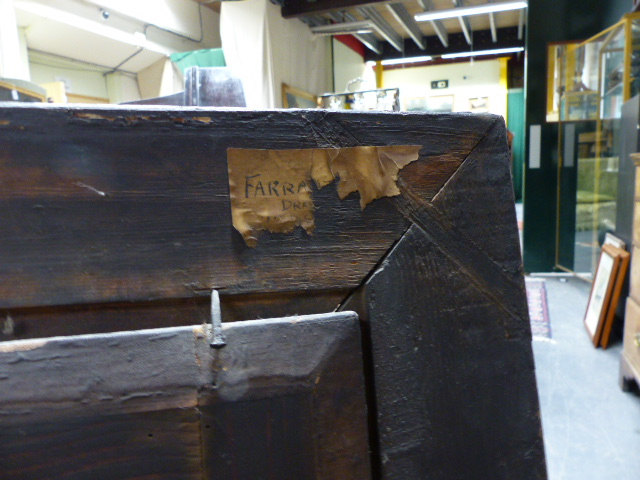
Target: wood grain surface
{"type": "Point", "coordinates": [163, 404]}
{"type": "Point", "coordinates": [116, 217]}
{"type": "Point", "coordinates": [111, 205]}
{"type": "Point", "coordinates": [452, 370]}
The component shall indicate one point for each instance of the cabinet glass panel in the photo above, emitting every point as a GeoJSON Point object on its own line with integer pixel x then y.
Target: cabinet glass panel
{"type": "Point", "coordinates": [612, 58]}
{"type": "Point", "coordinates": [590, 83]}
{"type": "Point", "coordinates": [579, 97]}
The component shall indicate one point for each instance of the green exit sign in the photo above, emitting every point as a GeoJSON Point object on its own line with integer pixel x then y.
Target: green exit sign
{"type": "Point", "coordinates": [436, 84]}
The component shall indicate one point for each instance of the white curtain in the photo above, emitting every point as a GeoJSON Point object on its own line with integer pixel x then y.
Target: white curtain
{"type": "Point", "coordinates": [14, 61]}
{"type": "Point", "coordinates": [266, 50]}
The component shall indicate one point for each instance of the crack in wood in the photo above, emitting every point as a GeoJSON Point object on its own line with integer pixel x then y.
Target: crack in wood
{"type": "Point", "coordinates": [482, 270]}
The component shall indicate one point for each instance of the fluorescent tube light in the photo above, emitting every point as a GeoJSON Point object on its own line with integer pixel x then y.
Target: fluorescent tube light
{"type": "Point", "coordinates": [344, 32]}
{"type": "Point", "coordinates": [498, 51]}
{"type": "Point", "coordinates": [399, 61]}
{"type": "Point", "coordinates": [136, 39]}
{"type": "Point", "coordinates": [468, 11]}
{"type": "Point", "coordinates": [340, 28]}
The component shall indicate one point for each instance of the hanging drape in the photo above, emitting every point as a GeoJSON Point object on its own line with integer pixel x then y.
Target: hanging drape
{"type": "Point", "coordinates": [265, 50]}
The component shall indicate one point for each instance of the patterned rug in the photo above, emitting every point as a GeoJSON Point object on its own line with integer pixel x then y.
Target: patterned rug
{"type": "Point", "coordinates": [538, 309]}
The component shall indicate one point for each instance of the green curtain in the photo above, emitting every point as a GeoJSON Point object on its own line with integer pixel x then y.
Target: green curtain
{"type": "Point", "coordinates": [516, 125]}
{"type": "Point", "coordinates": [210, 57]}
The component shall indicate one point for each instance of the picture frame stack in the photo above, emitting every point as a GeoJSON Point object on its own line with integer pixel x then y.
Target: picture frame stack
{"type": "Point", "coordinates": [606, 290]}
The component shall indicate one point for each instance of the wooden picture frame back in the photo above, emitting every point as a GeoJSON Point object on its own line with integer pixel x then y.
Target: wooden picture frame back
{"type": "Point", "coordinates": [601, 292]}
{"type": "Point", "coordinates": [118, 218]}
{"type": "Point", "coordinates": [620, 277]}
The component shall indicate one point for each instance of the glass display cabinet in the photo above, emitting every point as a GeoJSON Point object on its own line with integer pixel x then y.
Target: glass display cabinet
{"type": "Point", "coordinates": [588, 83]}
{"type": "Point", "coordinates": [383, 99]}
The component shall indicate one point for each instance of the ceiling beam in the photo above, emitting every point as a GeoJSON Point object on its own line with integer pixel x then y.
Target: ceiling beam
{"type": "Point", "coordinates": [346, 28]}
{"type": "Point", "coordinates": [383, 27]}
{"type": "Point", "coordinates": [407, 21]}
{"type": "Point", "coordinates": [441, 32]}
{"type": "Point", "coordinates": [492, 25]}
{"type": "Point", "coordinates": [313, 20]}
{"type": "Point", "coordinates": [438, 26]}
{"type": "Point", "coordinates": [466, 29]}
{"type": "Point", "coordinates": [507, 37]}
{"type": "Point", "coordinates": [296, 8]}
{"type": "Point", "coordinates": [521, 25]}
{"type": "Point", "coordinates": [369, 40]}
{"type": "Point", "coordinates": [464, 23]}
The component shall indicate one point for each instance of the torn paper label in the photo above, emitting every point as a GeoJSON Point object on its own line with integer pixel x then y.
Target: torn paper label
{"type": "Point", "coordinates": [273, 189]}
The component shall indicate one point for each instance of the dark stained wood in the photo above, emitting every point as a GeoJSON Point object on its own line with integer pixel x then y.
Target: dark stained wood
{"type": "Point", "coordinates": [160, 445]}
{"type": "Point", "coordinates": [322, 417]}
{"type": "Point", "coordinates": [127, 211]}
{"type": "Point", "coordinates": [40, 322]}
{"type": "Point", "coordinates": [473, 221]}
{"type": "Point", "coordinates": [452, 368]}
{"type": "Point", "coordinates": [457, 345]}
{"type": "Point", "coordinates": [248, 307]}
{"type": "Point", "coordinates": [284, 422]}
{"type": "Point", "coordinates": [163, 404]}
{"type": "Point", "coordinates": [113, 205]}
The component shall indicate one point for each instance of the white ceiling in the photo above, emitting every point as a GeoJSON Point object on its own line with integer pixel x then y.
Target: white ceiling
{"type": "Point", "coordinates": [78, 30]}
{"type": "Point", "coordinates": [395, 21]}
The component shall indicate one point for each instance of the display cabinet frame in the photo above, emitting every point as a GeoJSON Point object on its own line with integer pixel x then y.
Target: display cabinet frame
{"type": "Point", "coordinates": [588, 82]}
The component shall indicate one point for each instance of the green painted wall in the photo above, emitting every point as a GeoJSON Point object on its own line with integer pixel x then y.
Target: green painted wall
{"type": "Point", "coordinates": [516, 125]}
{"type": "Point", "coordinates": [552, 21]}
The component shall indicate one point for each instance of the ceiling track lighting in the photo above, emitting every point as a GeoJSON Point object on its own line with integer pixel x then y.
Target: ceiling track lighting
{"type": "Point", "coordinates": [428, 58]}
{"type": "Point", "coordinates": [478, 53]}
{"type": "Point", "coordinates": [468, 11]}
{"type": "Point", "coordinates": [347, 28]}
{"type": "Point", "coordinates": [400, 61]}
{"type": "Point", "coordinates": [344, 32]}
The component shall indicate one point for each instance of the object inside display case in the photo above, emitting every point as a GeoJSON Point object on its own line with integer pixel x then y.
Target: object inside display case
{"type": "Point", "coordinates": [16, 90]}
{"type": "Point", "coordinates": [592, 79]}
{"type": "Point", "coordinates": [383, 99]}
{"type": "Point", "coordinates": [588, 84]}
